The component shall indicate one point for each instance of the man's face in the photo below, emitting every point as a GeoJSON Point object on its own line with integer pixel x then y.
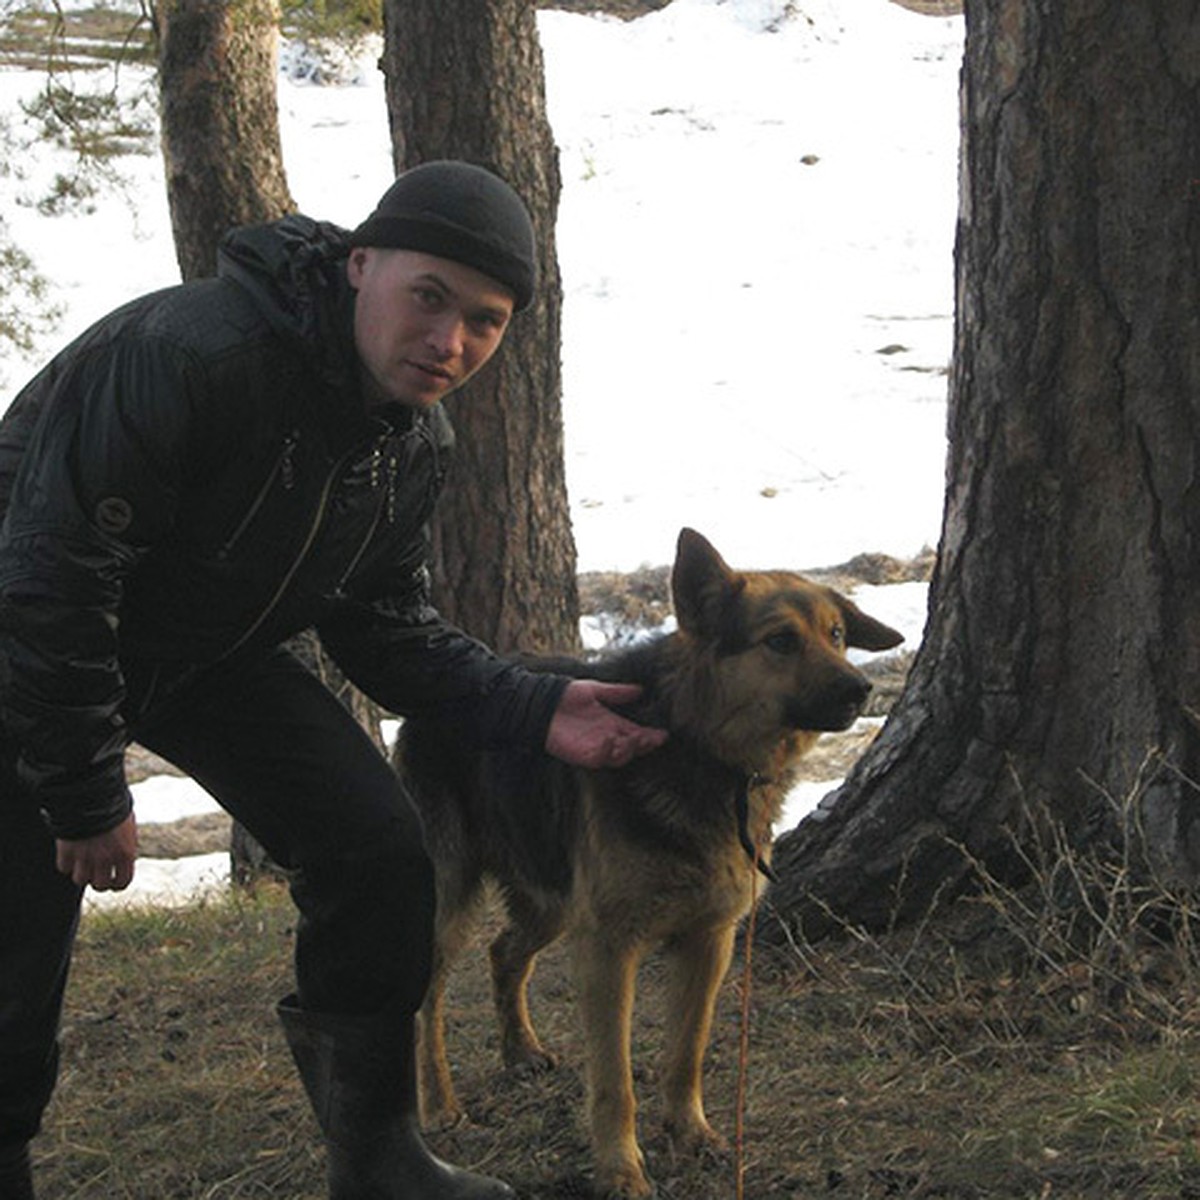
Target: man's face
{"type": "Point", "coordinates": [422, 325]}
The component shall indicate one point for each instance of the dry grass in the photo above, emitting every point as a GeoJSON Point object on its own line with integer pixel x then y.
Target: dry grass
{"type": "Point", "coordinates": [1033, 1042]}
{"type": "Point", "coordinates": [76, 39]}
{"type": "Point", "coordinates": [941, 1062]}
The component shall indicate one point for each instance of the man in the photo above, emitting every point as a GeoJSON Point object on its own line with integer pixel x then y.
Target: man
{"type": "Point", "coordinates": [201, 475]}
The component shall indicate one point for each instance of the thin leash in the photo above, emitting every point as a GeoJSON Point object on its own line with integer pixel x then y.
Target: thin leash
{"type": "Point", "coordinates": [754, 851]}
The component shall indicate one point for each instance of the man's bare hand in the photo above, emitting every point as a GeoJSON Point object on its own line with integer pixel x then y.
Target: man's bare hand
{"type": "Point", "coordinates": [585, 731]}
{"type": "Point", "coordinates": [104, 862]}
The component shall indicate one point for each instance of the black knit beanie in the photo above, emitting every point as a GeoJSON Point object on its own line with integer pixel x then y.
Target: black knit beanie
{"type": "Point", "coordinates": [462, 212]}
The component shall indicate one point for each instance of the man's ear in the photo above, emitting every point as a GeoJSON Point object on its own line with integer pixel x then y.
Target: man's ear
{"type": "Point", "coordinates": [356, 265]}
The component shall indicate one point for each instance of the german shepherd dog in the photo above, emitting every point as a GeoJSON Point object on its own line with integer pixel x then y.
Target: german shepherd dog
{"type": "Point", "coordinates": [659, 853]}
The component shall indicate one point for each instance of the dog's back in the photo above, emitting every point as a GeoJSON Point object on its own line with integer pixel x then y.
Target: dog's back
{"type": "Point", "coordinates": [509, 815]}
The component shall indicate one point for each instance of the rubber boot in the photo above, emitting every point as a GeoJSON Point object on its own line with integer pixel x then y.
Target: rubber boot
{"type": "Point", "coordinates": [360, 1075]}
{"type": "Point", "coordinates": [16, 1182]}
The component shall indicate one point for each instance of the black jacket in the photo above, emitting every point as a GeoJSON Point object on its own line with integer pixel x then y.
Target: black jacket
{"type": "Point", "coordinates": [197, 477]}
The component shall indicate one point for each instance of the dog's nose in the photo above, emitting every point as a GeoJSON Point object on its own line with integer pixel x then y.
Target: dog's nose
{"type": "Point", "coordinates": [855, 689]}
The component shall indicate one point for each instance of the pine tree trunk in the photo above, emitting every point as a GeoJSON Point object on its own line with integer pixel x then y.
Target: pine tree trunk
{"type": "Point", "coordinates": [218, 61]}
{"type": "Point", "coordinates": [466, 81]}
{"type": "Point", "coordinates": [1060, 671]}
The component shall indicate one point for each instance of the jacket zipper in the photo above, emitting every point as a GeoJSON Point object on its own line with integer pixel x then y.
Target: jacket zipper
{"type": "Point", "coordinates": [387, 501]}
{"type": "Point", "coordinates": [283, 470]}
{"type": "Point", "coordinates": [388, 474]}
{"type": "Point", "coordinates": [301, 555]}
{"type": "Point", "coordinates": [380, 472]}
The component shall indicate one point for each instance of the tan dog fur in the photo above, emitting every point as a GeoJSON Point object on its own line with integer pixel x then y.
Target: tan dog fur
{"type": "Point", "coordinates": [623, 861]}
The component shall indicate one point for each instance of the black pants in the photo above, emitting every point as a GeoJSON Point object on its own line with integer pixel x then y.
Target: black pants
{"type": "Point", "coordinates": [287, 760]}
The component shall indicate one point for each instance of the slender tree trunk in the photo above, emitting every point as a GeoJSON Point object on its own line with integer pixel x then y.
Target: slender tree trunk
{"type": "Point", "coordinates": [218, 64]}
{"type": "Point", "coordinates": [218, 61]}
{"type": "Point", "coordinates": [465, 81]}
{"type": "Point", "coordinates": [1060, 670]}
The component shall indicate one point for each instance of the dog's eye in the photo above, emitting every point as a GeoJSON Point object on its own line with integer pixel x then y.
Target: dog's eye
{"type": "Point", "coordinates": [837, 635]}
{"type": "Point", "coordinates": [785, 641]}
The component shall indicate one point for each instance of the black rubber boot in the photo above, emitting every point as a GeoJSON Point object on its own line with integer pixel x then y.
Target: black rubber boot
{"type": "Point", "coordinates": [360, 1075]}
{"type": "Point", "coordinates": [16, 1182]}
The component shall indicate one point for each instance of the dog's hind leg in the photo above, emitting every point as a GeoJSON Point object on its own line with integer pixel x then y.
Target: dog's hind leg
{"type": "Point", "coordinates": [440, 1106]}
{"type": "Point", "coordinates": [531, 927]}
{"type": "Point", "coordinates": [606, 972]}
{"type": "Point", "coordinates": [697, 963]}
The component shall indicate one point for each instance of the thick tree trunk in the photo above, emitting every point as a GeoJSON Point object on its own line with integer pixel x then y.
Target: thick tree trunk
{"type": "Point", "coordinates": [1061, 665]}
{"type": "Point", "coordinates": [465, 81]}
{"type": "Point", "coordinates": [218, 61]}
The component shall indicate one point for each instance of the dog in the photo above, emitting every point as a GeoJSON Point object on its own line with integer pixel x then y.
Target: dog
{"type": "Point", "coordinates": [660, 853]}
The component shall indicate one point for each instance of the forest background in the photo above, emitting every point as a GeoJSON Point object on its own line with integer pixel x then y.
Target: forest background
{"type": "Point", "coordinates": [990, 1052]}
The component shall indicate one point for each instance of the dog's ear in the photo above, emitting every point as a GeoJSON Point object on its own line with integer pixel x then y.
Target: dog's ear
{"type": "Point", "coordinates": [863, 632]}
{"type": "Point", "coordinates": [703, 587]}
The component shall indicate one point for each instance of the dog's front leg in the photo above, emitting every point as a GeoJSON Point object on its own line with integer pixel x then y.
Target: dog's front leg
{"type": "Point", "coordinates": [698, 962]}
{"type": "Point", "coordinates": [606, 972]}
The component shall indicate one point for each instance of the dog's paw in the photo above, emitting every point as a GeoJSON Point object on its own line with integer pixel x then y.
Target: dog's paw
{"type": "Point", "coordinates": [621, 1173]}
{"type": "Point", "coordinates": [696, 1139]}
{"type": "Point", "coordinates": [525, 1061]}
{"type": "Point", "coordinates": [625, 1184]}
{"type": "Point", "coordinates": [442, 1118]}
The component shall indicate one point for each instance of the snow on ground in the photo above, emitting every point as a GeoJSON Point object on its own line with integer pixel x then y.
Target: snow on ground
{"type": "Point", "coordinates": [166, 883]}
{"type": "Point", "coordinates": [756, 249]}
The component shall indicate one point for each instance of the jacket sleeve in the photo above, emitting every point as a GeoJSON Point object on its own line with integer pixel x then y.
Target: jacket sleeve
{"type": "Point", "coordinates": [405, 657]}
{"type": "Point", "coordinates": [96, 486]}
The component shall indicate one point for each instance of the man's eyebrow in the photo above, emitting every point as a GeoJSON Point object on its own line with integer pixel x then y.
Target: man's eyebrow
{"type": "Point", "coordinates": [434, 277]}
{"type": "Point", "coordinates": [499, 311]}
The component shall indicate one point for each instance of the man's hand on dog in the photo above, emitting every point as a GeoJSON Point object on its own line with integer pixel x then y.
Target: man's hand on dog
{"type": "Point", "coordinates": [585, 731]}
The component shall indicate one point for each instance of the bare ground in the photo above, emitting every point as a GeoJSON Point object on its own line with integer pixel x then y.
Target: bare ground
{"type": "Point", "coordinates": [905, 1066]}
{"type": "Point", "coordinates": [959, 1059]}
{"type": "Point", "coordinates": [183, 1037]}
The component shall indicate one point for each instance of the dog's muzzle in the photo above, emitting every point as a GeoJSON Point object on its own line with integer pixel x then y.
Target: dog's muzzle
{"type": "Point", "coordinates": [836, 708]}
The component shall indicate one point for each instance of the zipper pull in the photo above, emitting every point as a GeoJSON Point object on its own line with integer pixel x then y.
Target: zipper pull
{"type": "Point", "coordinates": [393, 471]}
{"type": "Point", "coordinates": [377, 463]}
{"type": "Point", "coordinates": [287, 468]}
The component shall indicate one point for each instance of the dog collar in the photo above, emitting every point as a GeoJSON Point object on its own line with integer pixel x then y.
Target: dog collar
{"type": "Point", "coordinates": [741, 808]}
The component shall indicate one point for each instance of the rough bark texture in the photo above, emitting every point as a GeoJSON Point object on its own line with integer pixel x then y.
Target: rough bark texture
{"type": "Point", "coordinates": [224, 168]}
{"type": "Point", "coordinates": [465, 80]}
{"type": "Point", "coordinates": [218, 61]}
{"type": "Point", "coordinates": [1061, 665]}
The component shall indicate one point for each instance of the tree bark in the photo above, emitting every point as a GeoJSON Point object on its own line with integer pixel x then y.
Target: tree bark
{"type": "Point", "coordinates": [218, 61]}
{"type": "Point", "coordinates": [466, 81]}
{"type": "Point", "coordinates": [1060, 670]}
{"type": "Point", "coordinates": [218, 64]}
